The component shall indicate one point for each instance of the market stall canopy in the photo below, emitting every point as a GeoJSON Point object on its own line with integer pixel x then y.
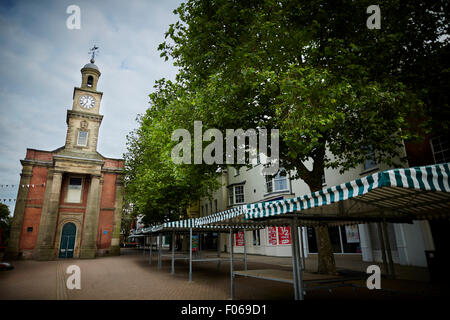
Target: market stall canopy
{"type": "Point", "coordinates": [217, 218]}
{"type": "Point", "coordinates": [211, 223]}
{"type": "Point", "coordinates": [395, 195]}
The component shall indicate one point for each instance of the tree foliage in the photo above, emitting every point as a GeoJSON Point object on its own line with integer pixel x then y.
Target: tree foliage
{"type": "Point", "coordinates": [309, 68]}
{"type": "Point", "coordinates": [312, 69]}
{"type": "Point", "coordinates": [5, 222]}
{"type": "Point", "coordinates": [156, 187]}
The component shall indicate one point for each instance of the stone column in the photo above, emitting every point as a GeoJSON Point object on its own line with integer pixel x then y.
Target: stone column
{"type": "Point", "coordinates": [90, 229]}
{"type": "Point", "coordinates": [118, 204]}
{"type": "Point", "coordinates": [12, 252]}
{"type": "Point", "coordinates": [45, 249]}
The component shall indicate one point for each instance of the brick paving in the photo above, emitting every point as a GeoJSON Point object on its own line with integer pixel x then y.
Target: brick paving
{"type": "Point", "coordinates": [130, 276]}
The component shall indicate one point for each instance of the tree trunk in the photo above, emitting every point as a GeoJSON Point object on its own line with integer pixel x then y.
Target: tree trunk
{"type": "Point", "coordinates": [325, 257]}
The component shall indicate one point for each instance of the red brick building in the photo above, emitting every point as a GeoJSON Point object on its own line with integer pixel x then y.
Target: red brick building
{"type": "Point", "coordinates": [69, 202]}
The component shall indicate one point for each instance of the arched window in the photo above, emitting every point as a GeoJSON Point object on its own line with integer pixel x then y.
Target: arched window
{"type": "Point", "coordinates": [90, 81]}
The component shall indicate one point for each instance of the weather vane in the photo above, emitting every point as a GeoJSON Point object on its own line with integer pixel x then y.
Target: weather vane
{"type": "Point", "coordinates": [93, 51]}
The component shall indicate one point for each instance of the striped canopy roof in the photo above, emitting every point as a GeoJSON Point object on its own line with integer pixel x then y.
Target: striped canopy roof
{"type": "Point", "coordinates": [221, 216]}
{"type": "Point", "coordinates": [393, 192]}
{"type": "Point", "coordinates": [398, 191]}
{"type": "Point", "coordinates": [211, 222]}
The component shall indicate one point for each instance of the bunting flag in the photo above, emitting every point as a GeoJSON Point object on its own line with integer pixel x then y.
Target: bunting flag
{"type": "Point", "coordinates": [22, 186]}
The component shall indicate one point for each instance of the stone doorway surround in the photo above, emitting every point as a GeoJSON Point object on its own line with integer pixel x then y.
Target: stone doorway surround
{"type": "Point", "coordinates": [76, 219]}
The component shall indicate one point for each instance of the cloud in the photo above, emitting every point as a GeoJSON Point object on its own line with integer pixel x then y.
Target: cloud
{"type": "Point", "coordinates": [41, 61]}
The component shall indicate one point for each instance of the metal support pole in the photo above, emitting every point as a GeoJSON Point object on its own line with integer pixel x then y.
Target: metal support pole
{"type": "Point", "coordinates": [173, 252]}
{"type": "Point", "coordinates": [388, 249]}
{"type": "Point", "coordinates": [231, 264]}
{"type": "Point", "coordinates": [190, 254]}
{"type": "Point", "coordinates": [294, 262]}
{"type": "Point", "coordinates": [159, 252]}
{"type": "Point", "coordinates": [295, 243]}
{"type": "Point", "coordinates": [383, 249]}
{"type": "Point", "coordinates": [245, 252]}
{"type": "Point", "coordinates": [218, 250]}
{"type": "Point", "coordinates": [299, 268]}
{"type": "Point", "coordinates": [151, 250]}
{"type": "Point", "coordinates": [340, 239]}
{"type": "Point", "coordinates": [143, 251]}
{"type": "Point", "coordinates": [302, 249]}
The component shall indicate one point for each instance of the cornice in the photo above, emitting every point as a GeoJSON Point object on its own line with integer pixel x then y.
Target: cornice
{"type": "Point", "coordinates": [77, 159]}
{"type": "Point", "coordinates": [85, 115]}
{"type": "Point", "coordinates": [36, 163]}
{"type": "Point", "coordinates": [86, 90]}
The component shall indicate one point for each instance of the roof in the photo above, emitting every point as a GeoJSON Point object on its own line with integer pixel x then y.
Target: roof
{"type": "Point", "coordinates": [413, 192]}
{"type": "Point", "coordinates": [200, 224]}
{"type": "Point", "coordinates": [398, 195]}
{"type": "Point", "coordinates": [91, 66]}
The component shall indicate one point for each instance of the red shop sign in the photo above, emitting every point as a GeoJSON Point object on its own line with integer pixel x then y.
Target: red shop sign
{"type": "Point", "coordinates": [284, 235]}
{"type": "Point", "coordinates": [239, 239]}
{"type": "Point", "coordinates": [272, 235]}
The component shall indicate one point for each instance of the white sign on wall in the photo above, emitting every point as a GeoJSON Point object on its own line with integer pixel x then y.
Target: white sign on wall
{"type": "Point", "coordinates": [352, 234]}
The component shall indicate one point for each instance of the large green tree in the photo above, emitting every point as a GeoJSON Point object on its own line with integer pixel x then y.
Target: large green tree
{"type": "Point", "coordinates": [5, 223]}
{"type": "Point", "coordinates": [156, 187]}
{"type": "Point", "coordinates": [311, 69]}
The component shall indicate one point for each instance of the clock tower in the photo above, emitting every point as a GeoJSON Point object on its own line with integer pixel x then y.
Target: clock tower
{"type": "Point", "coordinates": [69, 204]}
{"type": "Point", "coordinates": [84, 119]}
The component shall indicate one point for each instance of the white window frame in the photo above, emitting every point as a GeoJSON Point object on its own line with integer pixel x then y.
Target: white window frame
{"type": "Point", "coordinates": [235, 194]}
{"type": "Point", "coordinates": [272, 180]}
{"type": "Point", "coordinates": [68, 190]}
{"type": "Point", "coordinates": [232, 195]}
{"type": "Point", "coordinates": [442, 151]}
{"type": "Point", "coordinates": [78, 138]}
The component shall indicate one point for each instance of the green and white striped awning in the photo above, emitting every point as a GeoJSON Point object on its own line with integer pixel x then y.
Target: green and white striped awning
{"type": "Point", "coordinates": [413, 191]}
{"type": "Point", "coordinates": [187, 223]}
{"type": "Point", "coordinates": [215, 221]}
{"type": "Point", "coordinates": [221, 216]}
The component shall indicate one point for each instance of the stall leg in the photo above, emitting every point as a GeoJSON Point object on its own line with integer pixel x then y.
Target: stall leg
{"type": "Point", "coordinates": [302, 249]}
{"type": "Point", "coordinates": [294, 266]}
{"type": "Point", "coordinates": [383, 249]}
{"type": "Point", "coordinates": [298, 288]}
{"type": "Point", "coordinates": [173, 252]}
{"type": "Point", "coordinates": [388, 249]}
{"type": "Point", "coordinates": [231, 264]}
{"type": "Point", "coordinates": [159, 252]}
{"type": "Point", "coordinates": [245, 252]}
{"type": "Point", "coordinates": [143, 251]}
{"type": "Point", "coordinates": [299, 269]}
{"type": "Point", "coordinates": [190, 254]}
{"type": "Point", "coordinates": [218, 250]}
{"type": "Point", "coordinates": [151, 250]}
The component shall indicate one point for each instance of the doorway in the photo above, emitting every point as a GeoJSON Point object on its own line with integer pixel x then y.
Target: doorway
{"type": "Point", "coordinates": [67, 244]}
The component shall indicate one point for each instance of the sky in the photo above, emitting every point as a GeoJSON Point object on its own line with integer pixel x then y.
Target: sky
{"type": "Point", "coordinates": [40, 62]}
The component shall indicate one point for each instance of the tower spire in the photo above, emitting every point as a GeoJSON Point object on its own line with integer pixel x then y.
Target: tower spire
{"type": "Point", "coordinates": [93, 51]}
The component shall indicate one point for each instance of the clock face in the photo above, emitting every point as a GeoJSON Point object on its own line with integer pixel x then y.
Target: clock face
{"type": "Point", "coordinates": [87, 101]}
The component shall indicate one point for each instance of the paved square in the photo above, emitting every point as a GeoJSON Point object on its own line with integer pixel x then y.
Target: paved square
{"type": "Point", "coordinates": [130, 276]}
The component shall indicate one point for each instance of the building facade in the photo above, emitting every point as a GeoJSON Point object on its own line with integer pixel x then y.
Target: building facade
{"type": "Point", "coordinates": [248, 185]}
{"type": "Point", "coordinates": [69, 203]}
